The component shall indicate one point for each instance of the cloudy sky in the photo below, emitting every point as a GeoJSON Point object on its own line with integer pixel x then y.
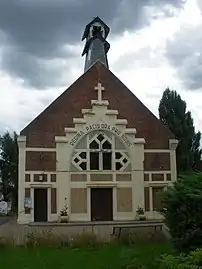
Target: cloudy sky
{"type": "Point", "coordinates": [154, 44]}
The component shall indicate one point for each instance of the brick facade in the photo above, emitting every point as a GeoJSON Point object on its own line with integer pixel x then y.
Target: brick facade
{"type": "Point", "coordinates": [157, 161]}
{"type": "Point", "coordinates": [40, 161]}
{"type": "Point", "coordinates": [52, 121]}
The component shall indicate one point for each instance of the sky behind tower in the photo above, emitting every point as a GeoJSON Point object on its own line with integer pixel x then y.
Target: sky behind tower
{"type": "Point", "coordinates": [154, 44]}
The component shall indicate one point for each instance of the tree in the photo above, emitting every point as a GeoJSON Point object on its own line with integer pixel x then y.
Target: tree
{"type": "Point", "coordinates": [183, 212]}
{"type": "Point", "coordinates": [9, 166]}
{"type": "Point", "coordinates": [172, 112]}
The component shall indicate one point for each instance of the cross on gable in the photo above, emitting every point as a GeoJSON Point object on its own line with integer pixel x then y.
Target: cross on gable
{"type": "Point", "coordinates": [99, 88]}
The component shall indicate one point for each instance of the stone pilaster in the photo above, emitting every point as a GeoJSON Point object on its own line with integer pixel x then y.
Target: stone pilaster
{"type": "Point", "coordinates": [173, 166]}
{"type": "Point", "coordinates": [21, 177]}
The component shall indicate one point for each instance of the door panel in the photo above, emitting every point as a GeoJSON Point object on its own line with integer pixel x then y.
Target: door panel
{"type": "Point", "coordinates": [40, 205]}
{"type": "Point", "coordinates": [101, 204]}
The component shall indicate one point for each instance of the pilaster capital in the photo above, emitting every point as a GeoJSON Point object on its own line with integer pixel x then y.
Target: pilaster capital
{"type": "Point", "coordinates": [21, 141]}
{"type": "Point", "coordinates": [173, 144]}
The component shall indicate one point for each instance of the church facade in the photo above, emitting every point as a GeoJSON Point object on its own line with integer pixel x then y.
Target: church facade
{"type": "Point", "coordinates": [96, 149]}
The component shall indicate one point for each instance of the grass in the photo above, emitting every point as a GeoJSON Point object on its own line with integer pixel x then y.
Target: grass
{"type": "Point", "coordinates": [106, 257]}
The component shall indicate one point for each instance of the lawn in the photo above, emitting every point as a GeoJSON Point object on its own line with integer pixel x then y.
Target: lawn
{"type": "Point", "coordinates": [106, 257]}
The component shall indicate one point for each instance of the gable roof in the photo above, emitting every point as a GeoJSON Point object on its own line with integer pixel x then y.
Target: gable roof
{"type": "Point", "coordinates": [60, 113]}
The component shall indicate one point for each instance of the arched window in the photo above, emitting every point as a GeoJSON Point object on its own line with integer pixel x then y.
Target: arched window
{"type": "Point", "coordinates": [100, 151]}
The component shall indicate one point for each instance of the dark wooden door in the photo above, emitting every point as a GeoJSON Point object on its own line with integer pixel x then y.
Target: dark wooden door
{"type": "Point", "coordinates": [40, 205]}
{"type": "Point", "coordinates": [101, 204]}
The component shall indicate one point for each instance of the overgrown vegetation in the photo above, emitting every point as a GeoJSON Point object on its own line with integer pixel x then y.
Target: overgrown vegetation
{"type": "Point", "coordinates": [86, 250]}
{"type": "Point", "coordinates": [49, 238]}
{"type": "Point", "coordinates": [173, 113]}
{"type": "Point", "coordinates": [82, 251]}
{"type": "Point", "coordinates": [183, 214]}
{"type": "Point", "coordinates": [191, 261]}
{"type": "Point", "coordinates": [9, 167]}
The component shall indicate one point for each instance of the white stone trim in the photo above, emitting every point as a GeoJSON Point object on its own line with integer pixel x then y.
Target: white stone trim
{"type": "Point", "coordinates": [60, 139]}
{"type": "Point", "coordinates": [99, 103]}
{"type": "Point", "coordinates": [37, 185]}
{"type": "Point", "coordinates": [70, 130]}
{"type": "Point", "coordinates": [41, 149]}
{"type": "Point", "coordinates": [40, 172]}
{"type": "Point", "coordinates": [112, 112]}
{"type": "Point", "coordinates": [79, 121]}
{"type": "Point", "coordinates": [173, 165]}
{"type": "Point", "coordinates": [21, 141]}
{"type": "Point", "coordinates": [158, 172]}
{"type": "Point", "coordinates": [156, 183]}
{"type": "Point", "coordinates": [139, 141]}
{"type": "Point", "coordinates": [87, 111]}
{"type": "Point", "coordinates": [130, 131]}
{"type": "Point", "coordinates": [150, 199]}
{"type": "Point", "coordinates": [21, 177]}
{"type": "Point", "coordinates": [157, 150]}
{"type": "Point", "coordinates": [173, 143]}
{"type": "Point", "coordinates": [101, 184]}
{"type": "Point", "coordinates": [121, 122]}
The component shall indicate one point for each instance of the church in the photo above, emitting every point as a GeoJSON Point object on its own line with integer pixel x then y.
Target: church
{"type": "Point", "coordinates": [96, 149]}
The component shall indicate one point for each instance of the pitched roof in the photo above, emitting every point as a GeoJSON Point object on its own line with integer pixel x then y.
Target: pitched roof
{"type": "Point", "coordinates": [58, 115]}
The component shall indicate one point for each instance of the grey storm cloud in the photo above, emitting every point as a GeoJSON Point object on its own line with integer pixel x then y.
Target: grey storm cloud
{"type": "Point", "coordinates": [184, 53]}
{"type": "Point", "coordinates": [37, 30]}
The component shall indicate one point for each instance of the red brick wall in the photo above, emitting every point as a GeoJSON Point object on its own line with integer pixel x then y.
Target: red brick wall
{"type": "Point", "coordinates": [40, 161]}
{"type": "Point", "coordinates": [156, 161]}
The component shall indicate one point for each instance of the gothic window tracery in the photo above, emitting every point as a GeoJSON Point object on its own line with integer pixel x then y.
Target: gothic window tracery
{"type": "Point", "coordinates": [101, 154]}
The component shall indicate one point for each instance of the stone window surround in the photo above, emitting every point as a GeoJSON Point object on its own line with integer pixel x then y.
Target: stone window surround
{"type": "Point", "coordinates": [112, 150]}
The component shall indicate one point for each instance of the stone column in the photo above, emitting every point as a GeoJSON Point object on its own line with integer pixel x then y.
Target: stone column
{"type": "Point", "coordinates": [21, 178]}
{"type": "Point", "coordinates": [137, 162]}
{"type": "Point", "coordinates": [62, 171]}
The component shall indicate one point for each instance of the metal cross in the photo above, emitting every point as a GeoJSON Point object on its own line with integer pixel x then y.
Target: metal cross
{"type": "Point", "coordinates": [99, 88]}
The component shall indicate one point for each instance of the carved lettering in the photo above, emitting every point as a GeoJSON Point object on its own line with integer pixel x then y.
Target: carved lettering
{"type": "Point", "coordinates": [102, 126]}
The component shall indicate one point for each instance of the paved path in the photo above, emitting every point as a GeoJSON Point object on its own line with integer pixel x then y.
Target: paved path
{"type": "Point", "coordinates": [4, 219]}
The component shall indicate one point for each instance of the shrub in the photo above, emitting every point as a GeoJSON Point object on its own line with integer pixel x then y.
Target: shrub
{"type": "Point", "coordinates": [191, 261]}
{"type": "Point", "coordinates": [183, 212]}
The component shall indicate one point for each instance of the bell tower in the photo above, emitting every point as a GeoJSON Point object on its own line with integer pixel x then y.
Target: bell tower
{"type": "Point", "coordinates": [96, 46]}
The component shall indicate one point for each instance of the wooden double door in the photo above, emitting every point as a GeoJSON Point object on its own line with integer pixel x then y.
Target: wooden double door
{"type": "Point", "coordinates": [101, 204]}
